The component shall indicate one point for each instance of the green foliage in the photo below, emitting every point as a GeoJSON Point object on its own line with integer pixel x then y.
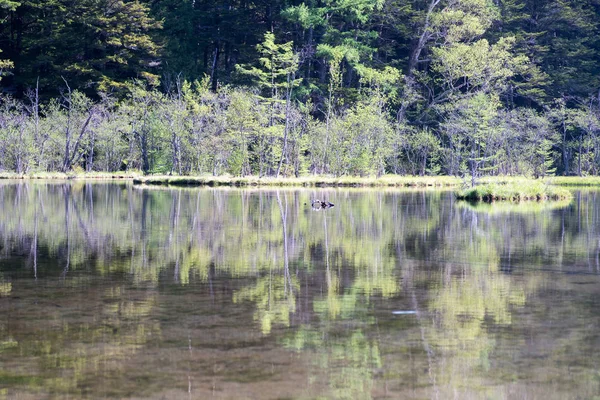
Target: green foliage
{"type": "Point", "coordinates": [7, 64]}
{"type": "Point", "coordinates": [306, 17]}
{"type": "Point", "coordinates": [337, 87]}
{"type": "Point", "coordinates": [477, 66]}
{"type": "Point", "coordinates": [514, 191]}
{"type": "Point", "coordinates": [470, 128]}
{"type": "Point", "coordinates": [94, 44]}
{"type": "Point", "coordinates": [277, 63]}
{"type": "Point", "coordinates": [461, 21]}
{"type": "Point", "coordinates": [9, 4]}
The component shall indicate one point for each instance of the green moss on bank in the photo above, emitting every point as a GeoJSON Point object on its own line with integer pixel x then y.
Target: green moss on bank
{"type": "Point", "coordinates": [72, 175]}
{"type": "Point", "coordinates": [307, 181]}
{"type": "Point", "coordinates": [575, 180]}
{"type": "Point", "coordinates": [518, 190]}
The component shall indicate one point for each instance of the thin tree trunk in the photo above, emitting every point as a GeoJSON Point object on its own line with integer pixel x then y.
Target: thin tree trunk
{"type": "Point", "coordinates": [565, 153]}
{"type": "Point", "coordinates": [579, 157]}
{"type": "Point", "coordinates": [213, 72]}
{"type": "Point", "coordinates": [287, 120]}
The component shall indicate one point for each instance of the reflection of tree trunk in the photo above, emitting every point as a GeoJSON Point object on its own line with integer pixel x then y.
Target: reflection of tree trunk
{"type": "Point", "coordinates": [145, 199]}
{"type": "Point", "coordinates": [131, 220]}
{"type": "Point", "coordinates": [35, 238]}
{"type": "Point", "coordinates": [67, 192]}
{"type": "Point", "coordinates": [286, 266]}
{"type": "Point", "coordinates": [172, 218]}
{"type": "Point", "coordinates": [82, 225]}
{"type": "Point", "coordinates": [189, 369]}
{"type": "Point", "coordinates": [327, 251]}
{"type": "Point", "coordinates": [176, 272]}
{"type": "Point", "coordinates": [426, 347]}
{"type": "Point", "coordinates": [195, 221]}
{"type": "Point", "coordinates": [90, 195]}
{"type": "Point", "coordinates": [173, 235]}
{"type": "Point", "coordinates": [210, 284]}
{"type": "Point", "coordinates": [578, 211]}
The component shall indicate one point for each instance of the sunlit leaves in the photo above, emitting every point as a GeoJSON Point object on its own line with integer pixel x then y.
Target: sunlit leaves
{"type": "Point", "coordinates": [277, 61]}
{"type": "Point", "coordinates": [477, 66]}
{"type": "Point", "coordinates": [463, 20]}
{"type": "Point", "coordinates": [307, 17]}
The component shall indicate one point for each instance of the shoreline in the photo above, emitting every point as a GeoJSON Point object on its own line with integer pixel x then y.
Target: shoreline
{"type": "Point", "coordinates": [69, 176]}
{"type": "Point", "coordinates": [306, 181]}
{"type": "Point", "coordinates": [515, 191]}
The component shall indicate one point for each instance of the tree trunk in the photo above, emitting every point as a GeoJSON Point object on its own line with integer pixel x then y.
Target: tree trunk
{"type": "Point", "coordinates": [565, 152]}
{"type": "Point", "coordinates": [423, 39]}
{"type": "Point", "coordinates": [215, 63]}
{"type": "Point", "coordinates": [290, 82]}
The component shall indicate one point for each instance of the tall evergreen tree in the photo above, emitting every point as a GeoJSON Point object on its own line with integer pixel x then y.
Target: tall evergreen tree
{"type": "Point", "coordinates": [94, 44]}
{"type": "Point", "coordinates": [10, 6]}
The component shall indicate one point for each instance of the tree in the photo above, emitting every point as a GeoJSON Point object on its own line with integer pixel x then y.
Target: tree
{"type": "Point", "coordinates": [79, 111]}
{"type": "Point", "coordinates": [244, 126]}
{"type": "Point", "coordinates": [469, 127]}
{"type": "Point", "coordinates": [144, 130]}
{"type": "Point", "coordinates": [277, 71]}
{"type": "Point", "coordinates": [7, 64]}
{"type": "Point", "coordinates": [587, 120]}
{"type": "Point", "coordinates": [16, 147]}
{"type": "Point", "coordinates": [95, 44]}
{"type": "Point", "coordinates": [533, 141]}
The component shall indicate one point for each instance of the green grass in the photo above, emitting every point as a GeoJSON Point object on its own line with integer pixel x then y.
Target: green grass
{"type": "Point", "coordinates": [307, 181]}
{"type": "Point", "coordinates": [575, 180]}
{"type": "Point", "coordinates": [554, 180]}
{"type": "Point", "coordinates": [72, 175]}
{"type": "Point", "coordinates": [515, 190]}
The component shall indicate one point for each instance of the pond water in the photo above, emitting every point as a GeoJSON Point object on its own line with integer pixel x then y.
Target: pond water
{"type": "Point", "coordinates": [113, 290]}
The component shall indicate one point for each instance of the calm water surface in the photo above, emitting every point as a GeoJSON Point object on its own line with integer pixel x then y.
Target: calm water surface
{"type": "Point", "coordinates": [111, 290]}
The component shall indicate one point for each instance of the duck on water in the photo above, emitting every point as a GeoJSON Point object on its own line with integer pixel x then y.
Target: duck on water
{"type": "Point", "coordinates": [317, 204]}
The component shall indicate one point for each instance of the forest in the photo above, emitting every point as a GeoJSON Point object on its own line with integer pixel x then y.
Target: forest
{"type": "Point", "coordinates": [289, 88]}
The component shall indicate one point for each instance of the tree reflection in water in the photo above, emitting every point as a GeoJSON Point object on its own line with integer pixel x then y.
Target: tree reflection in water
{"type": "Point", "coordinates": [113, 290]}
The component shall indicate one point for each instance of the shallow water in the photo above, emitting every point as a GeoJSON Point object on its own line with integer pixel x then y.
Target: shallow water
{"type": "Point", "coordinates": [111, 290]}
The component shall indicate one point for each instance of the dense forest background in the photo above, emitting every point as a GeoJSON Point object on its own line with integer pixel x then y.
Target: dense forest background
{"type": "Point", "coordinates": [284, 87]}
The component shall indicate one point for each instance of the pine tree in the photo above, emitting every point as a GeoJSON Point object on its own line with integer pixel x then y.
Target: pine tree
{"type": "Point", "coordinates": [6, 64]}
{"type": "Point", "coordinates": [94, 44]}
{"type": "Point", "coordinates": [276, 73]}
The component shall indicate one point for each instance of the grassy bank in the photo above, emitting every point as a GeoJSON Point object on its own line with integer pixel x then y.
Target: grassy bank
{"type": "Point", "coordinates": [517, 190]}
{"type": "Point", "coordinates": [575, 180]}
{"type": "Point", "coordinates": [552, 180]}
{"type": "Point", "coordinates": [72, 175]}
{"type": "Point", "coordinates": [349, 181]}
{"type": "Point", "coordinates": [306, 181]}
